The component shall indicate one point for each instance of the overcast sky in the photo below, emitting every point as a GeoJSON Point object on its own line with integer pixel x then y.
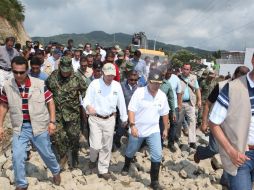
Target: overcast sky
{"type": "Point", "coordinates": [206, 24]}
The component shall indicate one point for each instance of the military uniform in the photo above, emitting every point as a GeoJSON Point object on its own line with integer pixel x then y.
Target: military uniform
{"type": "Point", "coordinates": [66, 92]}
{"type": "Point", "coordinates": [206, 85]}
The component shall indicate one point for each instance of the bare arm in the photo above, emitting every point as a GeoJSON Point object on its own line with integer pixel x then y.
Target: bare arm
{"type": "Point", "coordinates": [166, 126]}
{"type": "Point", "coordinates": [204, 125]}
{"type": "Point", "coordinates": [198, 93]}
{"type": "Point", "coordinates": [52, 115]}
{"type": "Point", "coordinates": [134, 130]}
{"type": "Point", "coordinates": [3, 111]}
{"type": "Point", "coordinates": [236, 157]}
{"type": "Point", "coordinates": [179, 101]}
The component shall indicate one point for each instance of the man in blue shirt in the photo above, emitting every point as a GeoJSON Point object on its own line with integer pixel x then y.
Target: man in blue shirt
{"type": "Point", "coordinates": [35, 70]}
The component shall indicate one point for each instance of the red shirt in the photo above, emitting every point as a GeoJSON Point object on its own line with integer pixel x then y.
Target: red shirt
{"type": "Point", "coordinates": [117, 77]}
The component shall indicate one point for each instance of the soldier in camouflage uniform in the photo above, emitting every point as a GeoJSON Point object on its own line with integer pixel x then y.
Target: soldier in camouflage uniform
{"type": "Point", "coordinates": [206, 86]}
{"type": "Point", "coordinates": [66, 87]}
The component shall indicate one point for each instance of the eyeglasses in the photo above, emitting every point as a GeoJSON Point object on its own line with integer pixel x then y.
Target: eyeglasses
{"type": "Point", "coordinates": [133, 80]}
{"type": "Point", "coordinates": [19, 72]}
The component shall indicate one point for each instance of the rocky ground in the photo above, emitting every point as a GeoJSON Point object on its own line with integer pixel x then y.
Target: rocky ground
{"type": "Point", "coordinates": [178, 172]}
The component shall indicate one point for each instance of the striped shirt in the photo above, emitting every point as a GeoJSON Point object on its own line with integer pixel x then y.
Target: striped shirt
{"type": "Point", "coordinates": [24, 91]}
{"type": "Point", "coordinates": [219, 111]}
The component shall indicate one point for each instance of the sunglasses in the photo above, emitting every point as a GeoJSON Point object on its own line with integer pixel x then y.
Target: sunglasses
{"type": "Point", "coordinates": [133, 80]}
{"type": "Point", "coordinates": [19, 72]}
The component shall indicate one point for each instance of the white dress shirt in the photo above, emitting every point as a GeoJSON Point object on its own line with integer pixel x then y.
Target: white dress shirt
{"type": "Point", "coordinates": [105, 98]}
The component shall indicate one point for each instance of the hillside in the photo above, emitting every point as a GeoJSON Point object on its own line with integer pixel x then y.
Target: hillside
{"type": "Point", "coordinates": [11, 21]}
{"type": "Point", "coordinates": [121, 39]}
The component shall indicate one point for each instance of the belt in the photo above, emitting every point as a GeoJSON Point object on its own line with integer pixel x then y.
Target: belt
{"type": "Point", "coordinates": [104, 117]}
{"type": "Point", "coordinates": [186, 100]}
{"type": "Point", "coordinates": [251, 147]}
{"type": "Point", "coordinates": [5, 69]}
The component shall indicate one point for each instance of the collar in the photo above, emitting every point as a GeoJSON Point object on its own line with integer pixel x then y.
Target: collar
{"type": "Point", "coordinates": [27, 82]}
{"type": "Point", "coordinates": [251, 82]}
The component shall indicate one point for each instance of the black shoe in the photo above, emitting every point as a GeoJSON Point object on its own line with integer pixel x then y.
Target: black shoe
{"type": "Point", "coordinates": [172, 147]}
{"type": "Point", "coordinates": [193, 145]}
{"type": "Point", "coordinates": [196, 159]}
{"type": "Point", "coordinates": [92, 165]}
{"type": "Point", "coordinates": [126, 166]}
{"type": "Point", "coordinates": [107, 176]}
{"type": "Point", "coordinates": [156, 186]}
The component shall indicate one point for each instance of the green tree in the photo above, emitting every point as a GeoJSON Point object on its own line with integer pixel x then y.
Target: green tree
{"type": "Point", "coordinates": [183, 56]}
{"type": "Point", "coordinates": [12, 11]}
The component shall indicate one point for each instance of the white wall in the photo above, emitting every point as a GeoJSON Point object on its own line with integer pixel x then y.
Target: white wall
{"type": "Point", "coordinates": [225, 68]}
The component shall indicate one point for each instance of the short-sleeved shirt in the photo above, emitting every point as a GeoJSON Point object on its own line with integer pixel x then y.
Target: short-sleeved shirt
{"type": "Point", "coordinates": [219, 111]}
{"type": "Point", "coordinates": [176, 87]}
{"type": "Point", "coordinates": [24, 90]}
{"type": "Point", "coordinates": [186, 93]}
{"type": "Point", "coordinates": [147, 110]}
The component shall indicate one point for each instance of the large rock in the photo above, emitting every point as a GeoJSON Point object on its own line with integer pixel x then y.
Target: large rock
{"type": "Point", "coordinates": [5, 183]}
{"type": "Point", "coordinates": [3, 160]}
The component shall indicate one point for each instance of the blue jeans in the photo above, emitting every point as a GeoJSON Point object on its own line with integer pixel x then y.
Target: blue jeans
{"type": "Point", "coordinates": [208, 151]}
{"type": "Point", "coordinates": [244, 177]}
{"type": "Point", "coordinates": [43, 146]}
{"type": "Point", "coordinates": [153, 141]}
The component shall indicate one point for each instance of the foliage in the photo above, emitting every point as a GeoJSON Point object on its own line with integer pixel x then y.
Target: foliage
{"type": "Point", "coordinates": [183, 56]}
{"type": "Point", "coordinates": [12, 11]}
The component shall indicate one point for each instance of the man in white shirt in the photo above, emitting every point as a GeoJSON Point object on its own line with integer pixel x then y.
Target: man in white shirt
{"type": "Point", "coordinates": [54, 59]}
{"type": "Point", "coordinates": [75, 60]}
{"type": "Point", "coordinates": [87, 49]}
{"type": "Point", "coordinates": [145, 108]}
{"type": "Point", "coordinates": [102, 97]}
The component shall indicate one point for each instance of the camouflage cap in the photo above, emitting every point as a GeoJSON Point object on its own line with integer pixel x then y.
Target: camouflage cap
{"type": "Point", "coordinates": [129, 66]}
{"type": "Point", "coordinates": [65, 64]}
{"type": "Point", "coordinates": [120, 54]}
{"type": "Point", "coordinates": [205, 73]}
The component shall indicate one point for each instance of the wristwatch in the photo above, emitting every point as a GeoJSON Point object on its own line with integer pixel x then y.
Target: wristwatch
{"type": "Point", "coordinates": [132, 125]}
{"type": "Point", "coordinates": [53, 122]}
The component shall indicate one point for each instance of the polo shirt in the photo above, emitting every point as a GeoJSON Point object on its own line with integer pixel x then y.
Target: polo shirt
{"type": "Point", "coordinates": [148, 110]}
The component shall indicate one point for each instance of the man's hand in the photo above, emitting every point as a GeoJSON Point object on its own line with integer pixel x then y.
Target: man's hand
{"type": "Point", "coordinates": [1, 133]}
{"type": "Point", "coordinates": [237, 158]}
{"type": "Point", "coordinates": [165, 134]}
{"type": "Point", "coordinates": [51, 128]}
{"type": "Point", "coordinates": [174, 117]}
{"type": "Point", "coordinates": [124, 124]}
{"type": "Point", "coordinates": [134, 131]}
{"type": "Point", "coordinates": [199, 104]}
{"type": "Point", "coordinates": [204, 128]}
{"type": "Point", "coordinates": [90, 110]}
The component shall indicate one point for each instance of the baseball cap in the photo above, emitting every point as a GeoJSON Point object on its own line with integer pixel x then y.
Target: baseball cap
{"type": "Point", "coordinates": [65, 64]}
{"type": "Point", "coordinates": [97, 65]}
{"type": "Point", "coordinates": [109, 69]}
{"type": "Point", "coordinates": [155, 75]}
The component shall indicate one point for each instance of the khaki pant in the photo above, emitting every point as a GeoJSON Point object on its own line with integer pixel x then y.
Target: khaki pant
{"type": "Point", "coordinates": [4, 75]}
{"type": "Point", "coordinates": [189, 111]}
{"type": "Point", "coordinates": [101, 139]}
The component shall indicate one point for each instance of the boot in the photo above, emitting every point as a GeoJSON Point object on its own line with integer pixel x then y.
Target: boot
{"type": "Point", "coordinates": [126, 166]}
{"type": "Point", "coordinates": [154, 175]}
{"type": "Point", "coordinates": [63, 161]}
{"type": "Point", "coordinates": [74, 159]}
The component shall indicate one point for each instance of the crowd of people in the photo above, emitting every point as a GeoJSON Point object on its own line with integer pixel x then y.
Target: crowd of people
{"type": "Point", "coordinates": [56, 94]}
